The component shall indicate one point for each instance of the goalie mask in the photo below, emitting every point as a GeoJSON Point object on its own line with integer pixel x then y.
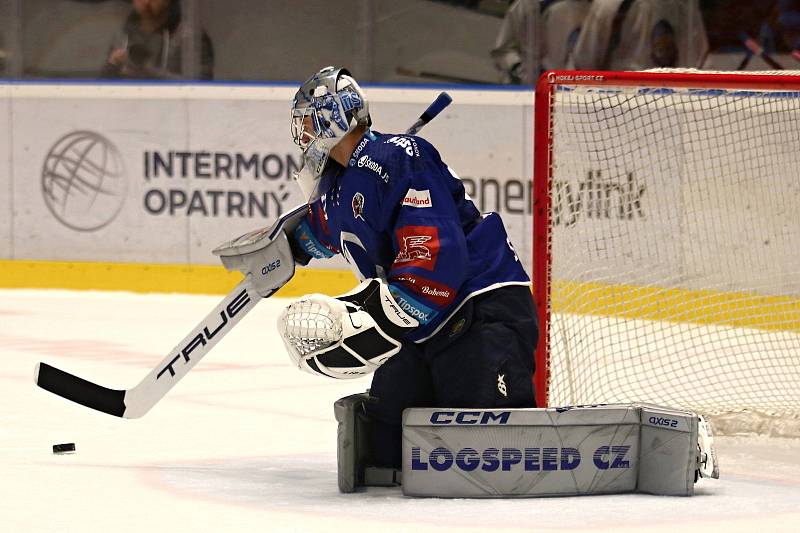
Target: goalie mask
{"type": "Point", "coordinates": [328, 106]}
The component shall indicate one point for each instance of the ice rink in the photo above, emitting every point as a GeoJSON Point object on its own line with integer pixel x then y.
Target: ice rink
{"type": "Point", "coordinates": [246, 442]}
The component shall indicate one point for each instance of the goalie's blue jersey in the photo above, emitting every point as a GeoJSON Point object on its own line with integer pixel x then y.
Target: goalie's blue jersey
{"type": "Point", "coordinates": [399, 213]}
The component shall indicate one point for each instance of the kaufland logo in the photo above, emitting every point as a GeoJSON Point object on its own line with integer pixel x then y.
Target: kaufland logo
{"type": "Point", "coordinates": [416, 198]}
{"type": "Point", "coordinates": [84, 181]}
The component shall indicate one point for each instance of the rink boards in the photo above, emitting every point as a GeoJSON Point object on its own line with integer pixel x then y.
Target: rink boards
{"type": "Point", "coordinates": [124, 186]}
{"type": "Point", "coordinates": [100, 178]}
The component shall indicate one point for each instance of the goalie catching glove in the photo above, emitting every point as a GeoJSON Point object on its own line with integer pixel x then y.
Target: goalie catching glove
{"type": "Point", "coordinates": [348, 336]}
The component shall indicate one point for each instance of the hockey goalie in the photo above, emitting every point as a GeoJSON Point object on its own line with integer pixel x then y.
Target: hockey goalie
{"type": "Point", "coordinates": [444, 314]}
{"type": "Point", "coordinates": [444, 320]}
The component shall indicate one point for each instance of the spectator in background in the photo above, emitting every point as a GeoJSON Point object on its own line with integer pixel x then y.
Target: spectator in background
{"type": "Point", "coordinates": [537, 35]}
{"type": "Point", "coordinates": [516, 49]}
{"type": "Point", "coordinates": [150, 47]}
{"type": "Point", "coordinates": [787, 26]}
{"type": "Point", "coordinates": [562, 21]}
{"type": "Point", "coordinates": [641, 34]}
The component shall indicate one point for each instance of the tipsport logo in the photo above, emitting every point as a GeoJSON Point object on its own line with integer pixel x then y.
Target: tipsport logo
{"type": "Point", "coordinates": [84, 181]}
{"type": "Point", "coordinates": [421, 312]}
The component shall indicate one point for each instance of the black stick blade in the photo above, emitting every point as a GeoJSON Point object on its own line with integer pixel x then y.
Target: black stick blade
{"type": "Point", "coordinates": [79, 390]}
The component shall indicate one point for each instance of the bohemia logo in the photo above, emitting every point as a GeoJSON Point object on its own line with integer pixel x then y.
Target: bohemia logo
{"type": "Point", "coordinates": [439, 293]}
{"type": "Point", "coordinates": [597, 198]}
{"type": "Point", "coordinates": [83, 181]}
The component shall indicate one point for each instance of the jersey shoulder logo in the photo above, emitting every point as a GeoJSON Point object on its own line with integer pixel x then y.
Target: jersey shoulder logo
{"type": "Point", "coordinates": [415, 198]}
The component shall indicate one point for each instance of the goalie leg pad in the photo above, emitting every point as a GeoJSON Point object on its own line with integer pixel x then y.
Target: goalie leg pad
{"type": "Point", "coordinates": [350, 441]}
{"type": "Point", "coordinates": [550, 452]}
{"type": "Point", "coordinates": [352, 450]}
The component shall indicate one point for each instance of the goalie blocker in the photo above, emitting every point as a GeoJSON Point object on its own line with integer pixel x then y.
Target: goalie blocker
{"type": "Point", "coordinates": [562, 451]}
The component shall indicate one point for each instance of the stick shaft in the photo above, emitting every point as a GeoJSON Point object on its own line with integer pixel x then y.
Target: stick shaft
{"type": "Point", "coordinates": [135, 402]}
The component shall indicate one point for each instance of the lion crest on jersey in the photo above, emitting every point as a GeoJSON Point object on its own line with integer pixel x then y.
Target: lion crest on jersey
{"type": "Point", "coordinates": [358, 206]}
{"type": "Point", "coordinates": [414, 248]}
{"type": "Point", "coordinates": [417, 246]}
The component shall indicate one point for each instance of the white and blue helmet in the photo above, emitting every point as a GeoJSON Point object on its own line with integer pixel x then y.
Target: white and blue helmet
{"type": "Point", "coordinates": [328, 106]}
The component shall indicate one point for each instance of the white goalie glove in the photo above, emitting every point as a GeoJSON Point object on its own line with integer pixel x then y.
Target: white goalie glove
{"type": "Point", "coordinates": [344, 337]}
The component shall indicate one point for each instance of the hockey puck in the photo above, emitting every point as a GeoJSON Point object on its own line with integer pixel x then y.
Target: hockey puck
{"type": "Point", "coordinates": [64, 448]}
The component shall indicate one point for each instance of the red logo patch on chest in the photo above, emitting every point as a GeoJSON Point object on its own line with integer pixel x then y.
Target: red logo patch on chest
{"type": "Point", "coordinates": [418, 246]}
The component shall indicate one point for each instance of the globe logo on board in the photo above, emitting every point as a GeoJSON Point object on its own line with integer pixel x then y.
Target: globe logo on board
{"type": "Point", "coordinates": [84, 181]}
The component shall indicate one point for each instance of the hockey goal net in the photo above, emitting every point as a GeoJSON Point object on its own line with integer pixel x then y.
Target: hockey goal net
{"type": "Point", "coordinates": [667, 243]}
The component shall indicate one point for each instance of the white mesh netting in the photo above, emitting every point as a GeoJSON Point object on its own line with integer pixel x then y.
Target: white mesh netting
{"type": "Point", "coordinates": [310, 325]}
{"type": "Point", "coordinates": [675, 251]}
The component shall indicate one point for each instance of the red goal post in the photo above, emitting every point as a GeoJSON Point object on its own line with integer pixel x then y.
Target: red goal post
{"type": "Point", "coordinates": [666, 265]}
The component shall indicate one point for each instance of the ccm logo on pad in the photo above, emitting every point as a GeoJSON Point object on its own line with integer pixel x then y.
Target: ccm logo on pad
{"type": "Point", "coordinates": [415, 198]}
{"type": "Point", "coordinates": [470, 417]}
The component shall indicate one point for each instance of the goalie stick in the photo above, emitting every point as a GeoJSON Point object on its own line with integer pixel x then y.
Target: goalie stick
{"type": "Point", "coordinates": [137, 401]}
{"type": "Point", "coordinates": [436, 107]}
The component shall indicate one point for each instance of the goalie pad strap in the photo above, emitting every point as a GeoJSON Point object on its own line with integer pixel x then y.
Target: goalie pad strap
{"type": "Point", "coordinates": [547, 452]}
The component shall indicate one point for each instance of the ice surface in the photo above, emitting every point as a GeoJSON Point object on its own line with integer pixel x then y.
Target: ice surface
{"type": "Point", "coordinates": [247, 443]}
